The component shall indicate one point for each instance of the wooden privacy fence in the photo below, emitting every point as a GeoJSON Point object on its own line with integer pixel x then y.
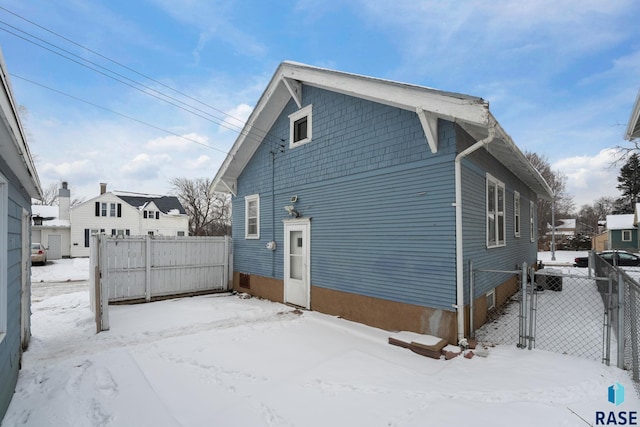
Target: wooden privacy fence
{"type": "Point", "coordinates": [144, 268]}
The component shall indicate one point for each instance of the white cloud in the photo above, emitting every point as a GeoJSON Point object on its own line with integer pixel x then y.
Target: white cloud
{"type": "Point", "coordinates": [144, 166]}
{"type": "Point", "coordinates": [78, 170]}
{"type": "Point", "coordinates": [202, 161]}
{"type": "Point", "coordinates": [590, 177]}
{"type": "Point", "coordinates": [173, 142]}
{"type": "Point", "coordinates": [236, 118]}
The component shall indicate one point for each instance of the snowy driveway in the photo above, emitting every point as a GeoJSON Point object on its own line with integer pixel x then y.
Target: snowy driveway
{"type": "Point", "coordinates": [222, 360]}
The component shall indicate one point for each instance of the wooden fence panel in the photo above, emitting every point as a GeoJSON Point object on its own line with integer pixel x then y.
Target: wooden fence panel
{"type": "Point", "coordinates": [144, 268]}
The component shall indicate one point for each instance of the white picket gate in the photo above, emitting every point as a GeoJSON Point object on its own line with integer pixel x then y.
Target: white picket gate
{"type": "Point", "coordinates": [144, 268]}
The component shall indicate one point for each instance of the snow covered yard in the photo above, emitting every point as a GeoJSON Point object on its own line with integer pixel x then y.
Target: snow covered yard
{"type": "Point", "coordinates": [222, 360]}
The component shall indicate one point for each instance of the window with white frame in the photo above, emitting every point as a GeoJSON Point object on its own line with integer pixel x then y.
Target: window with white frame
{"type": "Point", "coordinates": [491, 299]}
{"type": "Point", "coordinates": [516, 214]}
{"type": "Point", "coordinates": [300, 127]}
{"type": "Point", "coordinates": [4, 236]}
{"type": "Point", "coordinates": [252, 216]}
{"type": "Point", "coordinates": [532, 221]}
{"type": "Point", "coordinates": [112, 209]}
{"type": "Point", "coordinates": [626, 235]}
{"type": "Point", "coordinates": [103, 209]}
{"type": "Point", "coordinates": [495, 213]}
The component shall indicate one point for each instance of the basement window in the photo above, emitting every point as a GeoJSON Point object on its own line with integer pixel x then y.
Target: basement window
{"type": "Point", "coordinates": [491, 300]}
{"type": "Point", "coordinates": [300, 127]}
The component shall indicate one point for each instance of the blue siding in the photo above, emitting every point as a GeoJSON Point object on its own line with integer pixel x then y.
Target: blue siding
{"type": "Point", "coordinates": [616, 242]}
{"type": "Point", "coordinates": [10, 346]}
{"type": "Point", "coordinates": [517, 249]}
{"type": "Point", "coordinates": [380, 202]}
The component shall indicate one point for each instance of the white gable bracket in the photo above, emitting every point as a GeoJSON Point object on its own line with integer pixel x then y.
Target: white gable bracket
{"type": "Point", "coordinates": [295, 89]}
{"type": "Point", "coordinates": [430, 126]}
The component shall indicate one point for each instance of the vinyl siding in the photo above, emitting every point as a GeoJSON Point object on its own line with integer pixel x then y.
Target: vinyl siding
{"type": "Point", "coordinates": [517, 249]}
{"type": "Point", "coordinates": [10, 345]}
{"type": "Point", "coordinates": [380, 203]}
{"type": "Point", "coordinates": [618, 243]}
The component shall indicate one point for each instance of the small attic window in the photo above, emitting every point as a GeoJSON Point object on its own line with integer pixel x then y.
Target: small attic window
{"type": "Point", "coordinates": [300, 127]}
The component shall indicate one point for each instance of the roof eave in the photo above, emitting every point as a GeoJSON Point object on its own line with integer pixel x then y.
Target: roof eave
{"type": "Point", "coordinates": [633, 128]}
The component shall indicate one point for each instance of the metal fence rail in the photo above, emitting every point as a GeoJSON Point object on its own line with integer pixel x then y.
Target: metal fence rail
{"type": "Point", "coordinates": [624, 315]}
{"type": "Point", "coordinates": [591, 313]}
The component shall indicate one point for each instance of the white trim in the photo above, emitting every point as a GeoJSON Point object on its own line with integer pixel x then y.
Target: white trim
{"type": "Point", "coordinates": [293, 117]}
{"type": "Point", "coordinates": [304, 225]}
{"type": "Point", "coordinates": [247, 200]}
{"type": "Point", "coordinates": [517, 214]}
{"type": "Point", "coordinates": [498, 185]}
{"type": "Point", "coordinates": [429, 124]}
{"type": "Point", "coordinates": [532, 222]}
{"type": "Point", "coordinates": [630, 236]}
{"type": "Point", "coordinates": [4, 236]}
{"type": "Point", "coordinates": [491, 295]}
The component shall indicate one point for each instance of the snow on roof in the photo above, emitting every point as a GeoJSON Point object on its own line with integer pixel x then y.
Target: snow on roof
{"type": "Point", "coordinates": [45, 211]}
{"type": "Point", "coordinates": [566, 223]}
{"type": "Point", "coordinates": [620, 222]}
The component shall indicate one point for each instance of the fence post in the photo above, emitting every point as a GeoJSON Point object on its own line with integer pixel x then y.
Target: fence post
{"type": "Point", "coordinates": [147, 276]}
{"type": "Point", "coordinates": [103, 293]}
{"type": "Point", "coordinates": [522, 339]}
{"type": "Point", "coordinates": [225, 274]}
{"type": "Point", "coordinates": [620, 313]}
{"type": "Point", "coordinates": [633, 325]}
{"type": "Point", "coordinates": [532, 314]}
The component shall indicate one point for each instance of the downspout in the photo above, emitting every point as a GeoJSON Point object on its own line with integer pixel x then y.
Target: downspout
{"type": "Point", "coordinates": [459, 245]}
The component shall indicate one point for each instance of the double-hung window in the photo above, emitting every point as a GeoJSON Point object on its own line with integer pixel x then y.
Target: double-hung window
{"type": "Point", "coordinates": [252, 216]}
{"type": "Point", "coordinates": [300, 127]}
{"type": "Point", "coordinates": [626, 235]}
{"type": "Point", "coordinates": [516, 214]}
{"type": "Point", "coordinates": [495, 213]}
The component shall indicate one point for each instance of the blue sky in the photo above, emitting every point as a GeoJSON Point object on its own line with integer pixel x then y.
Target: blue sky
{"type": "Point", "coordinates": [561, 76]}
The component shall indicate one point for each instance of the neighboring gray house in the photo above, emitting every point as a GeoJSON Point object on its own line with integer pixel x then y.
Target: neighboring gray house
{"type": "Point", "coordinates": [366, 199]}
{"type": "Point", "coordinates": [18, 184]}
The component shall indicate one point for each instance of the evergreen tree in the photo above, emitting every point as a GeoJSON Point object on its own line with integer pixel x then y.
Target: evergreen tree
{"type": "Point", "coordinates": [629, 184]}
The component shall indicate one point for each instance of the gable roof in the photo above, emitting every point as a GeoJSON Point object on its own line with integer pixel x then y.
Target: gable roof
{"type": "Point", "coordinates": [165, 204]}
{"type": "Point", "coordinates": [471, 113]}
{"type": "Point", "coordinates": [633, 128]}
{"type": "Point", "coordinates": [14, 149]}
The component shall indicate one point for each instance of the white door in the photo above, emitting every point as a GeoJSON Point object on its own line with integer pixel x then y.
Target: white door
{"type": "Point", "coordinates": [297, 274]}
{"type": "Point", "coordinates": [54, 249]}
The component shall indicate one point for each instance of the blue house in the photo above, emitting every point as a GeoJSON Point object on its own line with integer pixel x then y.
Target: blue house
{"type": "Point", "coordinates": [367, 198]}
{"type": "Point", "coordinates": [18, 184]}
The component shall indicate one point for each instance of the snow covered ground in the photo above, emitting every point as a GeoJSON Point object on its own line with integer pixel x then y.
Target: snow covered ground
{"type": "Point", "coordinates": [223, 360]}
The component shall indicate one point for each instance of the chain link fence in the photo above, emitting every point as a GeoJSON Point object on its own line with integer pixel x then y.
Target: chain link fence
{"type": "Point", "coordinates": [586, 312]}
{"type": "Point", "coordinates": [625, 320]}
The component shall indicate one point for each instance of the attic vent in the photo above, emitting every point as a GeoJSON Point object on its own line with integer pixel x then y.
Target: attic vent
{"type": "Point", "coordinates": [245, 280]}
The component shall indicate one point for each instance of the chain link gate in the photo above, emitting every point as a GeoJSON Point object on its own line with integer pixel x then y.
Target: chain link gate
{"type": "Point", "coordinates": [553, 310]}
{"type": "Point", "coordinates": [590, 313]}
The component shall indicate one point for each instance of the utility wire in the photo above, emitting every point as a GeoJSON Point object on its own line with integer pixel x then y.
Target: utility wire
{"type": "Point", "coordinates": [121, 65]}
{"type": "Point", "coordinates": [218, 121]}
{"type": "Point", "coordinates": [261, 134]}
{"type": "Point", "coordinates": [115, 112]}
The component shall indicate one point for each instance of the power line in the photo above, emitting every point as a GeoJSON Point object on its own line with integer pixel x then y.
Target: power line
{"type": "Point", "coordinates": [260, 134]}
{"type": "Point", "coordinates": [120, 64]}
{"type": "Point", "coordinates": [115, 112]}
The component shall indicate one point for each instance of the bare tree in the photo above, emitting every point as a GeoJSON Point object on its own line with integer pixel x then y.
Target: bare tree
{"type": "Point", "coordinates": [557, 181]}
{"type": "Point", "coordinates": [209, 213]}
{"type": "Point", "coordinates": [49, 195]}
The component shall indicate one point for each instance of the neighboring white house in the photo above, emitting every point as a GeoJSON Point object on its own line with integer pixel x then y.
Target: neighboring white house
{"type": "Point", "coordinates": [52, 225]}
{"type": "Point", "coordinates": [110, 213]}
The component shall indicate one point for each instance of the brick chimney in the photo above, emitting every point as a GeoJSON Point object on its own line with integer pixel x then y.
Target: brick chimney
{"type": "Point", "coordinates": [103, 187]}
{"type": "Point", "coordinates": [64, 201]}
